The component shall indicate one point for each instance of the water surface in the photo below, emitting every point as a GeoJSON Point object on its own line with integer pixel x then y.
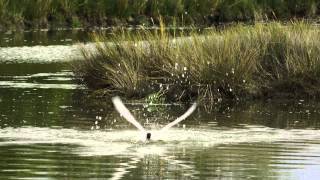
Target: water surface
{"type": "Point", "coordinates": [51, 128]}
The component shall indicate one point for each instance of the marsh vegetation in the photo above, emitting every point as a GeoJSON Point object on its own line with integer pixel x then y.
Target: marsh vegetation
{"type": "Point", "coordinates": [26, 14]}
{"type": "Point", "coordinates": [260, 61]}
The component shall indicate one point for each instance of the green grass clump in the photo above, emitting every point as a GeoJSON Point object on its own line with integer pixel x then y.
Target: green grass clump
{"type": "Point", "coordinates": [264, 60]}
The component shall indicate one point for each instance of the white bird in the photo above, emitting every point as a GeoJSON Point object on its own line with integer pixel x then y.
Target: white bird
{"type": "Point", "coordinates": [121, 108]}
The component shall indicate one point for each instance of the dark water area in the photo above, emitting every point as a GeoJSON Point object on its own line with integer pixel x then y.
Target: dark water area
{"type": "Point", "coordinates": [51, 128]}
{"type": "Point", "coordinates": [47, 37]}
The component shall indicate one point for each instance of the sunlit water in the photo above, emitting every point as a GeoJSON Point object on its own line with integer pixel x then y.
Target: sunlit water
{"type": "Point", "coordinates": [50, 128]}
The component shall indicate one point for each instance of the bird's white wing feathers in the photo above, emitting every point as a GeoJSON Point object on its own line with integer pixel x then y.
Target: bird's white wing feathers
{"type": "Point", "coordinates": [129, 117]}
{"type": "Point", "coordinates": [125, 113]}
{"type": "Point", "coordinates": [181, 118]}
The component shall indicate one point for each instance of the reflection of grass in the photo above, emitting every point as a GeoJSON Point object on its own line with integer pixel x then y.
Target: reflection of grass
{"type": "Point", "coordinates": [41, 13]}
{"type": "Point", "coordinates": [258, 60]}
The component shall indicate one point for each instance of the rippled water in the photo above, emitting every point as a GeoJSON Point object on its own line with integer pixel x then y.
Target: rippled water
{"type": "Point", "coordinates": [51, 128]}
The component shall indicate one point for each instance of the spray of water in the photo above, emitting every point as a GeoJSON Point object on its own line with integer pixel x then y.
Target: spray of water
{"type": "Point", "coordinates": [120, 107]}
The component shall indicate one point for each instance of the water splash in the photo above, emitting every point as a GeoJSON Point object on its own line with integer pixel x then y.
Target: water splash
{"type": "Point", "coordinates": [130, 142]}
{"type": "Point", "coordinates": [120, 107]}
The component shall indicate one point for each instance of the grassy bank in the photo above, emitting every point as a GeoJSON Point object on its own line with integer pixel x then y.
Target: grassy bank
{"type": "Point", "coordinates": [24, 14]}
{"type": "Point", "coordinates": [260, 61]}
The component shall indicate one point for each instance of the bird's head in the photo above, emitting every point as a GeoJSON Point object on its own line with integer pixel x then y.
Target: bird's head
{"type": "Point", "coordinates": [148, 136]}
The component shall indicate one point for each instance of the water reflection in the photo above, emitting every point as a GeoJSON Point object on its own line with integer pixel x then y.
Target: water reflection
{"type": "Point", "coordinates": [43, 37]}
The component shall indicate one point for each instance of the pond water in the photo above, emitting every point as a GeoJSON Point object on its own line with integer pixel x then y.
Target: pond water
{"type": "Point", "coordinates": [51, 128]}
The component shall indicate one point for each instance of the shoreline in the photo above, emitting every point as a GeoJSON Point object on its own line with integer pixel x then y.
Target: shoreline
{"type": "Point", "coordinates": [43, 14]}
{"type": "Point", "coordinates": [128, 26]}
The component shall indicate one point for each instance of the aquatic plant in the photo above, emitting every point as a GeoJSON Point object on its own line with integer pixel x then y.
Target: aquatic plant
{"type": "Point", "coordinates": [155, 98]}
{"type": "Point", "coordinates": [241, 61]}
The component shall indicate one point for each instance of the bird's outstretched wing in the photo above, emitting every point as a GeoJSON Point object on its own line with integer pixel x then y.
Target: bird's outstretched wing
{"type": "Point", "coordinates": [181, 118]}
{"type": "Point", "coordinates": [121, 108]}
